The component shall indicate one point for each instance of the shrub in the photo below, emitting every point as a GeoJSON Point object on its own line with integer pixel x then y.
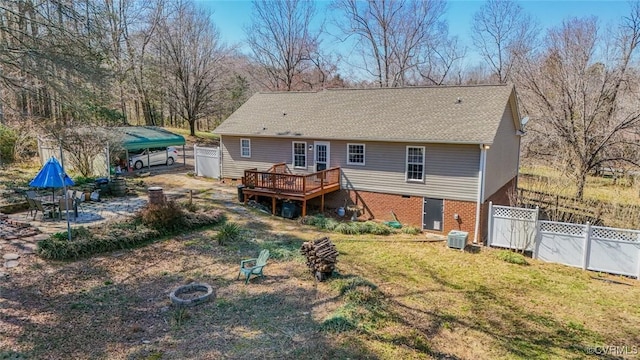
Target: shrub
{"type": "Point", "coordinates": [201, 219]}
{"type": "Point", "coordinates": [331, 224]}
{"type": "Point", "coordinates": [8, 138]}
{"type": "Point", "coordinates": [228, 232]}
{"type": "Point", "coordinates": [319, 221]}
{"type": "Point", "coordinates": [166, 218]}
{"type": "Point", "coordinates": [308, 220]}
{"type": "Point", "coordinates": [375, 228]}
{"type": "Point", "coordinates": [119, 235]}
{"type": "Point", "coordinates": [511, 257]}
{"type": "Point", "coordinates": [189, 206]}
{"type": "Point", "coordinates": [57, 247]}
{"type": "Point", "coordinates": [411, 230]}
{"type": "Point", "coordinates": [347, 228]}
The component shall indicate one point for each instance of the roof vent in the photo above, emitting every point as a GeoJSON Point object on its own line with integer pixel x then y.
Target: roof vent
{"type": "Point", "coordinates": [459, 100]}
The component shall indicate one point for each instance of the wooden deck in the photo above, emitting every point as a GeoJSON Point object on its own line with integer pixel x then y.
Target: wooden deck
{"type": "Point", "coordinates": [279, 183]}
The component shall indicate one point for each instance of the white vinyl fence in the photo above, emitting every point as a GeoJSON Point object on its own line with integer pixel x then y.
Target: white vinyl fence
{"type": "Point", "coordinates": [49, 148]}
{"type": "Point", "coordinates": [596, 248]}
{"type": "Point", "coordinates": [207, 161]}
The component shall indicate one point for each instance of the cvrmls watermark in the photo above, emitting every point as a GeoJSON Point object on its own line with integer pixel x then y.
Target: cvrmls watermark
{"type": "Point", "coordinates": [615, 350]}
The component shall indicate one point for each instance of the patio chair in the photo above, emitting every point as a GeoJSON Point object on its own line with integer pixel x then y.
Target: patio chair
{"type": "Point", "coordinates": [260, 262]}
{"type": "Point", "coordinates": [79, 198]}
{"type": "Point", "coordinates": [45, 210]}
{"type": "Point", "coordinates": [31, 194]}
{"type": "Point", "coordinates": [64, 205]}
{"type": "Point", "coordinates": [32, 206]}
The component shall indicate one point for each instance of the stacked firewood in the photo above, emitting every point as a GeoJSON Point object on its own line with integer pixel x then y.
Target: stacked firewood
{"type": "Point", "coordinates": [321, 257]}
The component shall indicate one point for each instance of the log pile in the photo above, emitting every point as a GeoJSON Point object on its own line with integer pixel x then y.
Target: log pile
{"type": "Point", "coordinates": [321, 257]}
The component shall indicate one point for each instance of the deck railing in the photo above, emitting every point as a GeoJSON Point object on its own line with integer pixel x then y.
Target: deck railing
{"type": "Point", "coordinates": [280, 168]}
{"type": "Point", "coordinates": [300, 184]}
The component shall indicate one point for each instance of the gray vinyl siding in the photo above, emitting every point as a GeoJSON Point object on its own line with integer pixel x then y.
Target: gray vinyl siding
{"type": "Point", "coordinates": [502, 156]}
{"type": "Point", "coordinates": [451, 171]}
{"type": "Point", "coordinates": [264, 153]}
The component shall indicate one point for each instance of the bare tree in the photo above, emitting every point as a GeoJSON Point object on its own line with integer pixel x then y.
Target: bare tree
{"type": "Point", "coordinates": [442, 62]}
{"type": "Point", "coordinates": [116, 24]}
{"type": "Point", "coordinates": [281, 40]}
{"type": "Point", "coordinates": [141, 26]}
{"type": "Point", "coordinates": [580, 93]}
{"type": "Point", "coordinates": [51, 58]}
{"type": "Point", "coordinates": [500, 30]}
{"type": "Point", "coordinates": [391, 36]}
{"type": "Point", "coordinates": [191, 45]}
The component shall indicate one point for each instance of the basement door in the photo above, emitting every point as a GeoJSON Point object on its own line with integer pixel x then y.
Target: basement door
{"type": "Point", "coordinates": [432, 214]}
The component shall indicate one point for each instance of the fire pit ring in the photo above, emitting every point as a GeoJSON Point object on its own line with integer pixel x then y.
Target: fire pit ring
{"type": "Point", "coordinates": [181, 301]}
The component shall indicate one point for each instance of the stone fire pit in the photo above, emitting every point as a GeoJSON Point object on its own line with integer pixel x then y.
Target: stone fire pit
{"type": "Point", "coordinates": [191, 295]}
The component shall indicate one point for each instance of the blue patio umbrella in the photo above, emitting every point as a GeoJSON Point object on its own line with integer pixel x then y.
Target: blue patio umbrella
{"type": "Point", "coordinates": [51, 176]}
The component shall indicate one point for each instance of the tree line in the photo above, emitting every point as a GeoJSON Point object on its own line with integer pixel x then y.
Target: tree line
{"type": "Point", "coordinates": [66, 64]}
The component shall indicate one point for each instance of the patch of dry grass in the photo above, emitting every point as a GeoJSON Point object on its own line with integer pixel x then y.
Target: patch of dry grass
{"type": "Point", "coordinates": [543, 178]}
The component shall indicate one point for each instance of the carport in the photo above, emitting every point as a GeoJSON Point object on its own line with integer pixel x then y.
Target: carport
{"type": "Point", "coordinates": [134, 138]}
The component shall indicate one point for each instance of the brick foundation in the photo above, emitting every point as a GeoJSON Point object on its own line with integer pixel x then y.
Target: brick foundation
{"type": "Point", "coordinates": [503, 196]}
{"type": "Point", "coordinates": [408, 210]}
{"type": "Point", "coordinates": [379, 206]}
{"type": "Point", "coordinates": [466, 211]}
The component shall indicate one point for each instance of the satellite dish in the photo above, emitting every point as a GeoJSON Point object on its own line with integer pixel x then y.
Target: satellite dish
{"type": "Point", "coordinates": [524, 121]}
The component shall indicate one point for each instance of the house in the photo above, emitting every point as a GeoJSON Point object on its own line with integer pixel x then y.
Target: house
{"type": "Point", "coordinates": [435, 156]}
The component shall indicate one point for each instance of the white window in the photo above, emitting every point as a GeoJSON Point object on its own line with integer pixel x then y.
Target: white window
{"type": "Point", "coordinates": [355, 154]}
{"type": "Point", "coordinates": [245, 148]}
{"type": "Point", "coordinates": [299, 154]}
{"type": "Point", "coordinates": [415, 163]}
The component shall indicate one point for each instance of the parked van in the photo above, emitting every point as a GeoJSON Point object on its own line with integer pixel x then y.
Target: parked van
{"type": "Point", "coordinates": [157, 156]}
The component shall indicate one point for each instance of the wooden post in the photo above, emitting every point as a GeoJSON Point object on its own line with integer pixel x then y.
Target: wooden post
{"type": "Point", "coordinates": [322, 203]}
{"type": "Point", "coordinates": [273, 205]}
{"type": "Point", "coordinates": [304, 187]}
{"type": "Point", "coordinates": [304, 208]}
{"type": "Point", "coordinates": [191, 196]}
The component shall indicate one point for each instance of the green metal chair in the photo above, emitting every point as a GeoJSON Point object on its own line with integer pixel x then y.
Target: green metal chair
{"type": "Point", "coordinates": [247, 270]}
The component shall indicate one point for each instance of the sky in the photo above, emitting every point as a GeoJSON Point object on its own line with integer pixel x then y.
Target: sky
{"type": "Point", "coordinates": [231, 15]}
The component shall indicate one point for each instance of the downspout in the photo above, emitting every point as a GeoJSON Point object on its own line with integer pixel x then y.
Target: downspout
{"type": "Point", "coordinates": [515, 188]}
{"type": "Point", "coordinates": [220, 177]}
{"type": "Point", "coordinates": [481, 175]}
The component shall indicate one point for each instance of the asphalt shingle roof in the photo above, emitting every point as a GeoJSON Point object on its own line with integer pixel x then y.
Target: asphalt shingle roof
{"type": "Point", "coordinates": [448, 114]}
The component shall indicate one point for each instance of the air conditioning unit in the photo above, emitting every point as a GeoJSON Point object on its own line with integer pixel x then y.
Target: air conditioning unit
{"type": "Point", "coordinates": [457, 239]}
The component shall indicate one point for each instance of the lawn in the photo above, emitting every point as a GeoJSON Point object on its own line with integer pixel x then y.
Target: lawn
{"type": "Point", "coordinates": [393, 298]}
{"type": "Point", "coordinates": [202, 137]}
{"type": "Point", "coordinates": [599, 188]}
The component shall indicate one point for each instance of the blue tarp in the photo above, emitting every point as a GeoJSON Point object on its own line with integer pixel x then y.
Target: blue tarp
{"type": "Point", "coordinates": [51, 176]}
